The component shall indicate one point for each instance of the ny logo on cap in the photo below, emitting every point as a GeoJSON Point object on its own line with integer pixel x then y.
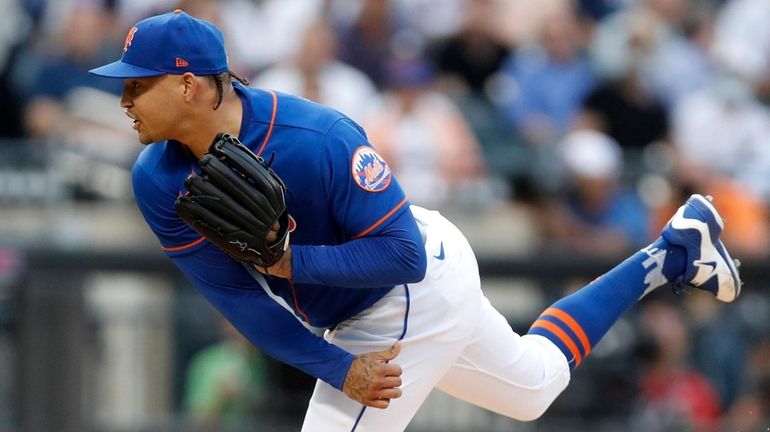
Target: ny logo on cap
{"type": "Point", "coordinates": [129, 38]}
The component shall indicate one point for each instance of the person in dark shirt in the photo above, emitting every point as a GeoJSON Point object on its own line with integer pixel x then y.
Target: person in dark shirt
{"type": "Point", "coordinates": [625, 110]}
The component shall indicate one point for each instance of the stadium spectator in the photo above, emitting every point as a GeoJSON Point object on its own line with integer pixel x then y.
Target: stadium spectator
{"type": "Point", "coordinates": [226, 383]}
{"type": "Point", "coordinates": [724, 129]}
{"type": "Point", "coordinates": [544, 84]}
{"type": "Point", "coordinates": [469, 58]}
{"type": "Point", "coordinates": [275, 26]}
{"type": "Point", "coordinates": [752, 411]}
{"type": "Point", "coordinates": [683, 63]}
{"type": "Point", "coordinates": [63, 66]}
{"type": "Point", "coordinates": [664, 42]}
{"type": "Point", "coordinates": [674, 397]}
{"type": "Point", "coordinates": [424, 137]}
{"type": "Point", "coordinates": [367, 39]}
{"type": "Point", "coordinates": [742, 38]}
{"type": "Point", "coordinates": [634, 34]}
{"type": "Point", "coordinates": [468, 64]}
{"type": "Point", "coordinates": [626, 110]}
{"type": "Point", "coordinates": [595, 214]}
{"type": "Point", "coordinates": [316, 74]}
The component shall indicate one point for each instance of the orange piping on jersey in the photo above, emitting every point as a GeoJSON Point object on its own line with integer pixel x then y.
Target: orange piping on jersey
{"type": "Point", "coordinates": [573, 325]}
{"type": "Point", "coordinates": [296, 303]}
{"type": "Point", "coordinates": [382, 219]}
{"type": "Point", "coordinates": [183, 247]}
{"type": "Point", "coordinates": [272, 122]}
{"type": "Point", "coordinates": [558, 332]}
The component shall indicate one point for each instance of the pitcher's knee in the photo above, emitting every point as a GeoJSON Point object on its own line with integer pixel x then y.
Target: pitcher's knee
{"type": "Point", "coordinates": [550, 378]}
{"type": "Point", "coordinates": [534, 402]}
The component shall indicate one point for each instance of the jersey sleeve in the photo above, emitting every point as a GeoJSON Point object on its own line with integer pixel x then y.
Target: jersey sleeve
{"type": "Point", "coordinates": [362, 192]}
{"type": "Point", "coordinates": [227, 285]}
{"type": "Point", "coordinates": [381, 245]}
{"type": "Point", "coordinates": [394, 256]}
{"type": "Point", "coordinates": [157, 206]}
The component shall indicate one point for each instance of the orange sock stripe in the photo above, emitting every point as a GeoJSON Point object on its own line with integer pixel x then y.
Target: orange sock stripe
{"type": "Point", "coordinates": [573, 325]}
{"type": "Point", "coordinates": [564, 337]}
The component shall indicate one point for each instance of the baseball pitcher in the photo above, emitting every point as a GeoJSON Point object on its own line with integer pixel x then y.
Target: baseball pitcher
{"type": "Point", "coordinates": [259, 197]}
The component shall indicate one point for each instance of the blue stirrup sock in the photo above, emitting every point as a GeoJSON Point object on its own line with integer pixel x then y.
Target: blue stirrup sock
{"type": "Point", "coordinates": [578, 321]}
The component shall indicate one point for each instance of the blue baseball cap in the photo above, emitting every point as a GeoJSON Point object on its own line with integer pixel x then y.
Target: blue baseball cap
{"type": "Point", "coordinates": [172, 43]}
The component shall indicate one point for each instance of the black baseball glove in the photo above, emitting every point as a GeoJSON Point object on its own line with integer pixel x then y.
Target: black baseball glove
{"type": "Point", "coordinates": [236, 202]}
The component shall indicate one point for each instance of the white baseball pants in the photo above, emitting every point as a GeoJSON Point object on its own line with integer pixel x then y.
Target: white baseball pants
{"type": "Point", "coordinates": [452, 339]}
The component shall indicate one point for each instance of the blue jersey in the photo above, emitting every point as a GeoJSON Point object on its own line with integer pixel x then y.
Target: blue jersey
{"type": "Point", "coordinates": [352, 235]}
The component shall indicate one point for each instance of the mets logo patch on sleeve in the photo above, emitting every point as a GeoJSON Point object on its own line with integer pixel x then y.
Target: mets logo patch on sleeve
{"type": "Point", "coordinates": [370, 171]}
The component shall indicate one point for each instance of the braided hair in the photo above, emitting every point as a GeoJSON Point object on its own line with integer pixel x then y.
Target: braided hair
{"type": "Point", "coordinates": [219, 82]}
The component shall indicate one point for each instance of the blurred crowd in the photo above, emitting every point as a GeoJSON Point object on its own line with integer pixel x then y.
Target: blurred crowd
{"type": "Point", "coordinates": [599, 117]}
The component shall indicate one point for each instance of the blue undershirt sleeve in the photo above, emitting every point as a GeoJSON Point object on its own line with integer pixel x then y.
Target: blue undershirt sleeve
{"type": "Point", "coordinates": [394, 255]}
{"type": "Point", "coordinates": [234, 292]}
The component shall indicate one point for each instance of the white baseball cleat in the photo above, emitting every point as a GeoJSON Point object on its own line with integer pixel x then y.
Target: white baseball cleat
{"type": "Point", "coordinates": [696, 227]}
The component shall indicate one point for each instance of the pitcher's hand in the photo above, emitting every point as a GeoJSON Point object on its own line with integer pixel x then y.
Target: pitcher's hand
{"type": "Point", "coordinates": [372, 381]}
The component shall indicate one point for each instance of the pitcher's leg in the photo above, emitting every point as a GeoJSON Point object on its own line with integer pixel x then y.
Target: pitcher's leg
{"type": "Point", "coordinates": [518, 377]}
{"type": "Point", "coordinates": [687, 252]}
